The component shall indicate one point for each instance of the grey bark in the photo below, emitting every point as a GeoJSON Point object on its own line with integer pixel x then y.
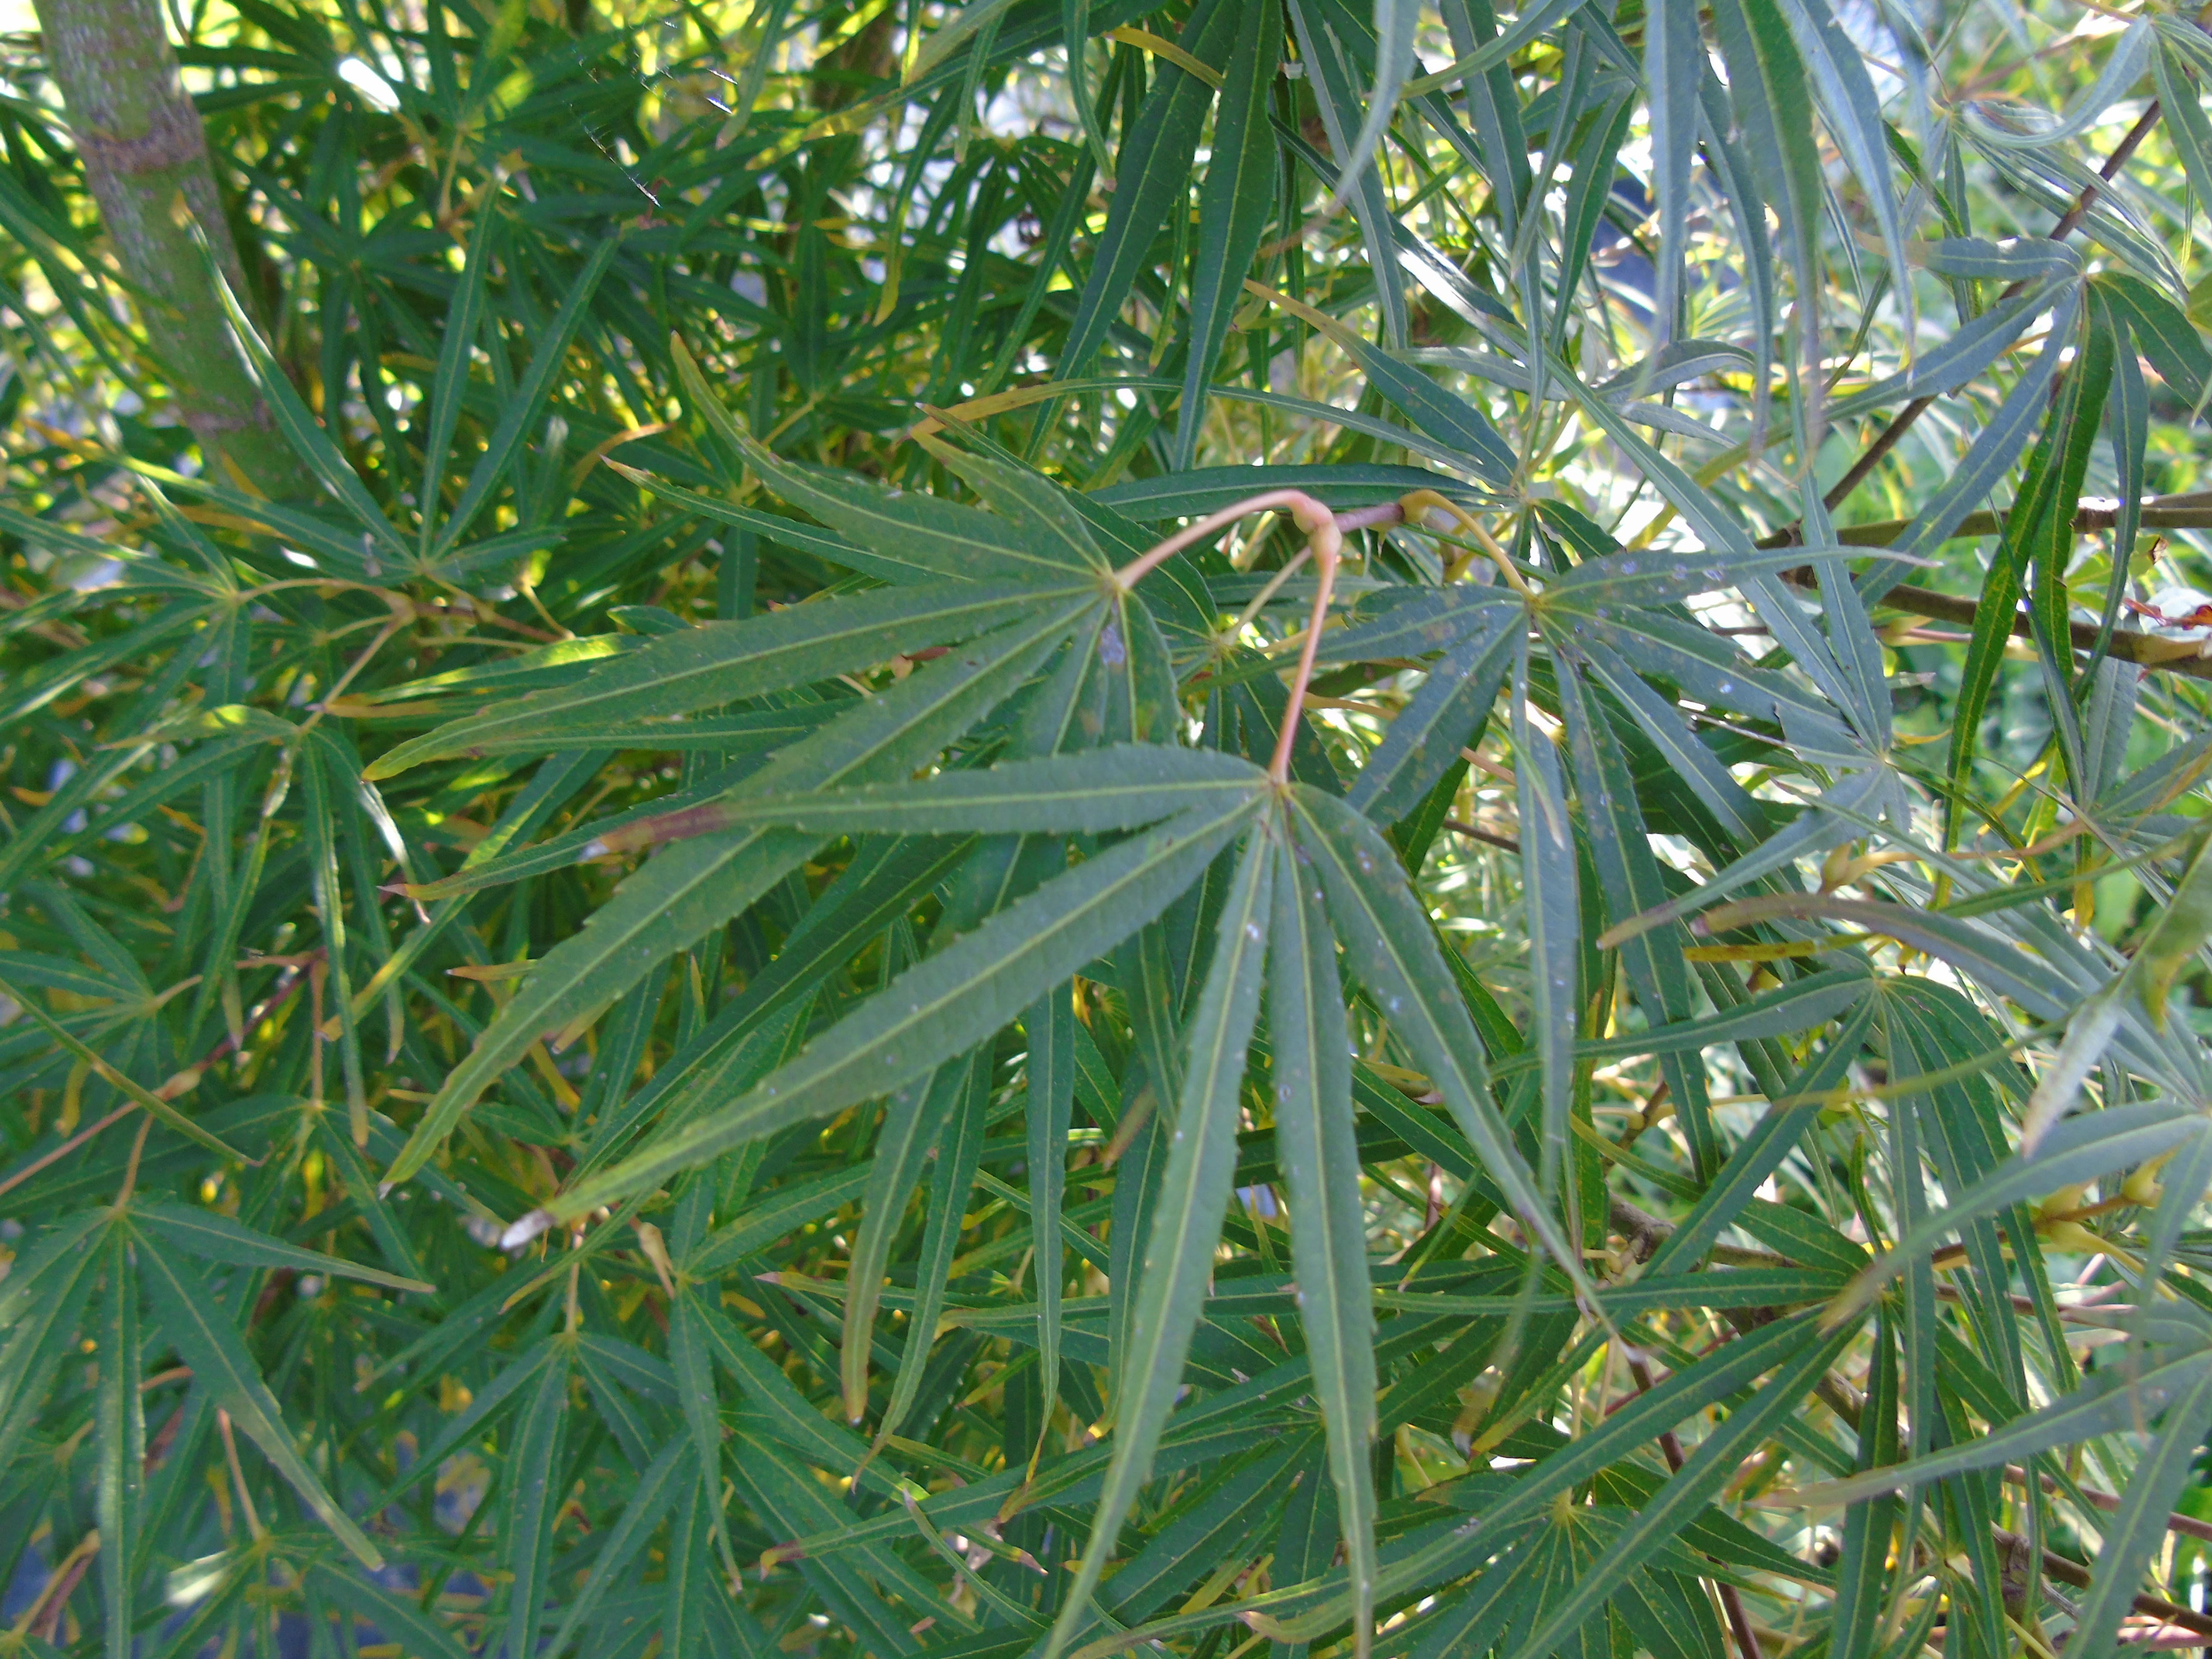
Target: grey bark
{"type": "Point", "coordinates": [146, 159]}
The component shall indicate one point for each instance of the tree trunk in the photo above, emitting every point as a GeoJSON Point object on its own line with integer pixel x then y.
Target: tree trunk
{"type": "Point", "coordinates": [143, 146]}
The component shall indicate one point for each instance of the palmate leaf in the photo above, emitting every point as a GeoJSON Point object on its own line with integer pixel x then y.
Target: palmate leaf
{"type": "Point", "coordinates": [2135, 1537]}
{"type": "Point", "coordinates": [537, 1456]}
{"type": "Point", "coordinates": [1661, 1611]}
{"type": "Point", "coordinates": [691, 1571]}
{"type": "Point", "coordinates": [386, 1609]}
{"type": "Point", "coordinates": [661, 1485]}
{"type": "Point", "coordinates": [786, 531]}
{"type": "Point", "coordinates": [152, 1102]}
{"type": "Point", "coordinates": [737, 766]}
{"type": "Point", "coordinates": [1994, 449]}
{"type": "Point", "coordinates": [752, 1033]}
{"type": "Point", "coordinates": [1737, 1287]}
{"type": "Point", "coordinates": [299, 425]}
{"type": "Point", "coordinates": [1050, 1027]}
{"type": "Point", "coordinates": [957, 1156]}
{"type": "Point", "coordinates": [1851, 109]}
{"type": "Point", "coordinates": [788, 1498]}
{"type": "Point", "coordinates": [489, 866]}
{"type": "Point", "coordinates": [1328, 56]}
{"type": "Point", "coordinates": [1673, 67]}
{"type": "Point", "coordinates": [702, 882]}
{"type": "Point", "coordinates": [1425, 738]}
{"type": "Point", "coordinates": [2172, 1378]}
{"type": "Point", "coordinates": [42, 1330]}
{"type": "Point", "coordinates": [819, 1083]}
{"type": "Point", "coordinates": [1629, 876]}
{"type": "Point", "coordinates": [947, 1002]}
{"type": "Point", "coordinates": [1047, 512]}
{"type": "Point", "coordinates": [1471, 439]}
{"type": "Point", "coordinates": [524, 405]}
{"type": "Point", "coordinates": [216, 1237]}
{"type": "Point", "coordinates": [1205, 1434]}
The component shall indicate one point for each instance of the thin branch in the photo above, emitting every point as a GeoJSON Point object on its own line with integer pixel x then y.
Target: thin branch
{"type": "Point", "coordinates": [1458, 828]}
{"type": "Point", "coordinates": [2074, 1573]}
{"type": "Point", "coordinates": [43, 1618]}
{"type": "Point", "coordinates": [2192, 511]}
{"type": "Point", "coordinates": [67, 1146]}
{"type": "Point", "coordinates": [1869, 459]}
{"type": "Point", "coordinates": [1747, 1641]}
{"type": "Point", "coordinates": [2148, 650]}
{"type": "Point", "coordinates": [1887, 438]}
{"type": "Point", "coordinates": [2109, 1501]}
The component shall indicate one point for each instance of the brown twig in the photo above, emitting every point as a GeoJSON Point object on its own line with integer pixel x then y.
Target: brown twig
{"type": "Point", "coordinates": [44, 1616]}
{"type": "Point", "coordinates": [2108, 1502]}
{"type": "Point", "coordinates": [2074, 1573]}
{"type": "Point", "coordinates": [1458, 828]}
{"type": "Point", "coordinates": [1643, 1233]}
{"type": "Point", "coordinates": [1887, 439]}
{"type": "Point", "coordinates": [67, 1146]}
{"type": "Point", "coordinates": [287, 983]}
{"type": "Point", "coordinates": [253, 1527]}
{"type": "Point", "coordinates": [1747, 1640]}
{"type": "Point", "coordinates": [2192, 511]}
{"type": "Point", "coordinates": [1871, 458]}
{"type": "Point", "coordinates": [2113, 163]}
{"type": "Point", "coordinates": [2125, 645]}
{"type": "Point", "coordinates": [157, 1451]}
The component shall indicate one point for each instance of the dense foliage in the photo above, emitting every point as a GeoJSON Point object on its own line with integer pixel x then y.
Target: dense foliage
{"type": "Point", "coordinates": [1328, 830]}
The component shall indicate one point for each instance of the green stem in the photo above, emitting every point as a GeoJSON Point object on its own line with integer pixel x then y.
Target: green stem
{"type": "Point", "coordinates": [146, 161]}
